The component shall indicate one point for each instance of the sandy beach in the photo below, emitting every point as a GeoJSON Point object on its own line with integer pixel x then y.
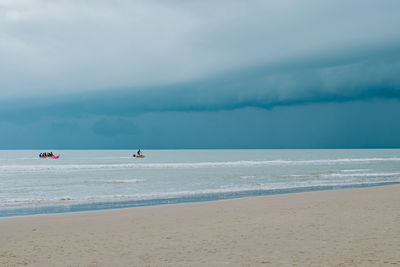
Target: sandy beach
{"type": "Point", "coordinates": [349, 227]}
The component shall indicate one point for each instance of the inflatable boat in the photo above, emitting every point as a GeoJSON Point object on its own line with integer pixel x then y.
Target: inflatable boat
{"type": "Point", "coordinates": [51, 157]}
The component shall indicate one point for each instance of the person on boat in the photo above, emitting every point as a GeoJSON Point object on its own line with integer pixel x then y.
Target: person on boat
{"type": "Point", "coordinates": [139, 153]}
{"type": "Point", "coordinates": [40, 155]}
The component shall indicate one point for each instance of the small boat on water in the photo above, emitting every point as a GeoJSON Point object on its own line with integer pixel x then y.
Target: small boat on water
{"type": "Point", "coordinates": [50, 157]}
{"type": "Point", "coordinates": [138, 154]}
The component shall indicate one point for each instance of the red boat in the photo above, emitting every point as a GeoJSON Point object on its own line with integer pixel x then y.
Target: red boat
{"type": "Point", "coordinates": [138, 156]}
{"type": "Point", "coordinates": [51, 157]}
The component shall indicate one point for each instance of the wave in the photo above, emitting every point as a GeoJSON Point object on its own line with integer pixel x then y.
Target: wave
{"type": "Point", "coordinates": [184, 165]}
{"type": "Point", "coordinates": [247, 177]}
{"type": "Point", "coordinates": [380, 174]}
{"type": "Point", "coordinates": [352, 173]}
{"type": "Point", "coordinates": [233, 191]}
{"type": "Point", "coordinates": [120, 181]}
{"type": "Point", "coordinates": [14, 159]}
{"type": "Point", "coordinates": [355, 170]}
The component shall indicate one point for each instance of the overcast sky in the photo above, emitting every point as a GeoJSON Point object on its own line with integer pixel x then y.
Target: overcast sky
{"type": "Point", "coordinates": [199, 74]}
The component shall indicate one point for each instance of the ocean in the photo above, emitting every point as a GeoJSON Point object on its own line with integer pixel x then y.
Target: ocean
{"type": "Point", "coordinates": [82, 180]}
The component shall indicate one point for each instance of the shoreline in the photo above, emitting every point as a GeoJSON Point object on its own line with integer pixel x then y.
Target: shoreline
{"type": "Point", "coordinates": [358, 226]}
{"type": "Point", "coordinates": [110, 205]}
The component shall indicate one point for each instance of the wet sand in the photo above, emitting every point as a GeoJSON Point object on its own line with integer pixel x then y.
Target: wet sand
{"type": "Point", "coordinates": [346, 227]}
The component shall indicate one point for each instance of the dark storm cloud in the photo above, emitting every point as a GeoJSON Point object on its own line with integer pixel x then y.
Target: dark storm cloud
{"type": "Point", "coordinates": [329, 78]}
{"type": "Point", "coordinates": [53, 48]}
{"type": "Point", "coordinates": [109, 74]}
{"type": "Point", "coordinates": [359, 124]}
{"type": "Point", "coordinates": [113, 127]}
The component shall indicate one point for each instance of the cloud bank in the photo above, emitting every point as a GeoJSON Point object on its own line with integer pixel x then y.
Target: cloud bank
{"type": "Point", "coordinates": [199, 74]}
{"type": "Point", "coordinates": [51, 48]}
{"type": "Point", "coordinates": [359, 75]}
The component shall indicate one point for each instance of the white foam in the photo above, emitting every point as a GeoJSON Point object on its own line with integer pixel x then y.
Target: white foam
{"type": "Point", "coordinates": [355, 170]}
{"type": "Point", "coordinates": [232, 189]}
{"type": "Point", "coordinates": [122, 181]}
{"type": "Point", "coordinates": [184, 165]}
{"type": "Point", "coordinates": [247, 177]}
{"type": "Point", "coordinates": [300, 175]}
{"type": "Point", "coordinates": [67, 200]}
{"type": "Point", "coordinates": [380, 174]}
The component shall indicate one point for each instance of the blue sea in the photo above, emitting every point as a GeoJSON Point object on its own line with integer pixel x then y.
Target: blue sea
{"type": "Point", "coordinates": [82, 180]}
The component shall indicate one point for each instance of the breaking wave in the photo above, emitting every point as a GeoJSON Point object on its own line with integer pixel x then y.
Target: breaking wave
{"type": "Point", "coordinates": [188, 165]}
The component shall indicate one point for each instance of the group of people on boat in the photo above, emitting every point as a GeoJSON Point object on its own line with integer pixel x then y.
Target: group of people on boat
{"type": "Point", "coordinates": [46, 154]}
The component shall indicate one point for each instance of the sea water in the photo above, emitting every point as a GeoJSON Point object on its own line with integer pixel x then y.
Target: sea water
{"type": "Point", "coordinates": [101, 179]}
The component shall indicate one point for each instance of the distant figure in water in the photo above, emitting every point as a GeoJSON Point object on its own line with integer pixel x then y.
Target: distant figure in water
{"type": "Point", "coordinates": [138, 154]}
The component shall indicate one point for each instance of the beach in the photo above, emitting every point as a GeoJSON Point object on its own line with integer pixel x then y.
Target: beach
{"type": "Point", "coordinates": [188, 133]}
{"type": "Point", "coordinates": [344, 227]}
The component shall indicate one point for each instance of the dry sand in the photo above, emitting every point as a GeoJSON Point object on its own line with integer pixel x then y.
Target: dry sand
{"type": "Point", "coordinates": [350, 227]}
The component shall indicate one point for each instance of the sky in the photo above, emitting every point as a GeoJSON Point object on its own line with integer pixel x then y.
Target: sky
{"type": "Point", "coordinates": [199, 74]}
